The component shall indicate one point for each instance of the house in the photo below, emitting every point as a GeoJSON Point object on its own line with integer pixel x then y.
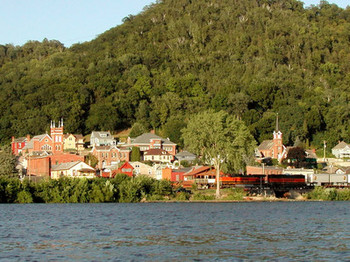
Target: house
{"type": "Point", "coordinates": [341, 150]}
{"type": "Point", "coordinates": [102, 138]}
{"type": "Point", "coordinates": [175, 175]}
{"type": "Point", "coordinates": [149, 141]}
{"type": "Point", "coordinates": [201, 175]}
{"type": "Point", "coordinates": [336, 170]}
{"type": "Point", "coordinates": [73, 142]}
{"type": "Point", "coordinates": [109, 156]}
{"type": "Point", "coordinates": [126, 169]}
{"type": "Point", "coordinates": [17, 144]}
{"type": "Point", "coordinates": [143, 169]}
{"type": "Point", "coordinates": [76, 169]}
{"type": "Point", "coordinates": [272, 148]}
{"type": "Point", "coordinates": [185, 156]}
{"type": "Point", "coordinates": [158, 156]}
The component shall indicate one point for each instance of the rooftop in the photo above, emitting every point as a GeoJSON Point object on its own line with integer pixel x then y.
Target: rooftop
{"type": "Point", "coordinates": [146, 139]}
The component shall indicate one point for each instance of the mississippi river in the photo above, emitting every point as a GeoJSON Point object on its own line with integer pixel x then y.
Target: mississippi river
{"type": "Point", "coordinates": [254, 231]}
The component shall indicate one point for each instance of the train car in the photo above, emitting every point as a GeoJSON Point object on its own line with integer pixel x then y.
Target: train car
{"type": "Point", "coordinates": [286, 181]}
{"type": "Point", "coordinates": [244, 181]}
{"type": "Point", "coordinates": [338, 180]}
{"type": "Point", "coordinates": [331, 180]}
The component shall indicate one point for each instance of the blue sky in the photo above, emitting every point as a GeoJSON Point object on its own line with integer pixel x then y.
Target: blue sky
{"type": "Point", "coordinates": [70, 21]}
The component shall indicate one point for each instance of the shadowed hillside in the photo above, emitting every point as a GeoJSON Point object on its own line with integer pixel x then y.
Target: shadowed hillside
{"type": "Point", "coordinates": [252, 58]}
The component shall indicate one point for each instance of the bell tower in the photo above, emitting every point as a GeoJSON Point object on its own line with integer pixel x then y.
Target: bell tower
{"type": "Point", "coordinates": [277, 142]}
{"type": "Point", "coordinates": [57, 136]}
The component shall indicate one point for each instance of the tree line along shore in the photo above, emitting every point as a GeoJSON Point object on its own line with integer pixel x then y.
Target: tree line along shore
{"type": "Point", "coordinates": [124, 189]}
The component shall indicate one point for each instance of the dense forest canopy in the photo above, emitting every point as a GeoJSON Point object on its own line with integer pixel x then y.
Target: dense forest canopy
{"type": "Point", "coordinates": [251, 58]}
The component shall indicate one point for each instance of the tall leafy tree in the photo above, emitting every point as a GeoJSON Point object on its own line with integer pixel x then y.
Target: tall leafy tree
{"type": "Point", "coordinates": [7, 162]}
{"type": "Point", "coordinates": [220, 140]}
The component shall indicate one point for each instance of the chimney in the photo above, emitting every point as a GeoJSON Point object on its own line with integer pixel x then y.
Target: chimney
{"type": "Point", "coordinates": [28, 138]}
{"type": "Point", "coordinates": [13, 139]}
{"type": "Point", "coordinates": [153, 131]}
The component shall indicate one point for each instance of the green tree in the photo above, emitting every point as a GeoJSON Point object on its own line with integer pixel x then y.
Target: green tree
{"type": "Point", "coordinates": [220, 140]}
{"type": "Point", "coordinates": [135, 154]}
{"type": "Point", "coordinates": [137, 129]}
{"type": "Point", "coordinates": [7, 162]}
{"type": "Point", "coordinates": [91, 160]}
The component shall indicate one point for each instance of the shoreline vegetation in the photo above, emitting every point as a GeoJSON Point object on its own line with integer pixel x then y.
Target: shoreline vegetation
{"type": "Point", "coordinates": [123, 189]}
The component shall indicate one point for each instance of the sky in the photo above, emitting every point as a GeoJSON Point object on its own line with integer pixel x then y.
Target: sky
{"type": "Point", "coordinates": [71, 21]}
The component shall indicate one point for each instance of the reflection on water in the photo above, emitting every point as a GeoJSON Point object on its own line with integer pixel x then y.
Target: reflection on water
{"type": "Point", "coordinates": [283, 231]}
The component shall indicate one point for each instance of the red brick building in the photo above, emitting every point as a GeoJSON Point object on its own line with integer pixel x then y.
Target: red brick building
{"type": "Point", "coordinates": [52, 143]}
{"type": "Point", "coordinates": [174, 175]}
{"type": "Point", "coordinates": [109, 156]}
{"type": "Point", "coordinates": [272, 148]}
{"type": "Point", "coordinates": [17, 144]}
{"type": "Point", "coordinates": [40, 165]}
{"type": "Point", "coordinates": [264, 170]}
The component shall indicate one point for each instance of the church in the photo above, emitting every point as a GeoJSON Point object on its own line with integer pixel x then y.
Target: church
{"type": "Point", "coordinates": [52, 143]}
{"type": "Point", "coordinates": [272, 148]}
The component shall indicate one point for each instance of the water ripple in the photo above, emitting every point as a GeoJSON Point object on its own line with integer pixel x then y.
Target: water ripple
{"type": "Point", "coordinates": [298, 231]}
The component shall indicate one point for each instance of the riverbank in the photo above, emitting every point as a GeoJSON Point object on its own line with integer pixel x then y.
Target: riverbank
{"type": "Point", "coordinates": [123, 189]}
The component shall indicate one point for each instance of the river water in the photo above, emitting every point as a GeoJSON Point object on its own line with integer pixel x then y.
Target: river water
{"type": "Point", "coordinates": [277, 231]}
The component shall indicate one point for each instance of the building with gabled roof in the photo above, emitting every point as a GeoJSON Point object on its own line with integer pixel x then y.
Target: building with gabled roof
{"type": "Point", "coordinates": [102, 138]}
{"type": "Point", "coordinates": [158, 155]}
{"type": "Point", "coordinates": [272, 148]}
{"type": "Point", "coordinates": [109, 156]}
{"type": "Point", "coordinates": [202, 175]}
{"type": "Point", "coordinates": [341, 150]}
{"type": "Point", "coordinates": [185, 156]}
{"type": "Point", "coordinates": [149, 141]}
{"type": "Point", "coordinates": [45, 142]}
{"type": "Point", "coordinates": [73, 142]}
{"type": "Point", "coordinates": [17, 144]}
{"type": "Point", "coordinates": [77, 169]}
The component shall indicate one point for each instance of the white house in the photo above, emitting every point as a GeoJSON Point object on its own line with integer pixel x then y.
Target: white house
{"type": "Point", "coordinates": [102, 138]}
{"type": "Point", "coordinates": [341, 150]}
{"type": "Point", "coordinates": [77, 169]}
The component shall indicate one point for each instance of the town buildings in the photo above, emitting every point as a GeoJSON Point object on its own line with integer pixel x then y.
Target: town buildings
{"type": "Point", "coordinates": [41, 152]}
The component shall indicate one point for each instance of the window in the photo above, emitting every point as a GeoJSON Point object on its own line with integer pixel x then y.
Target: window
{"type": "Point", "coordinates": [46, 147]}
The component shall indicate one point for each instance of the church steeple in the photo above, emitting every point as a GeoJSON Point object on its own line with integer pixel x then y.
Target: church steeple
{"type": "Point", "coordinates": [277, 126]}
{"type": "Point", "coordinates": [277, 141]}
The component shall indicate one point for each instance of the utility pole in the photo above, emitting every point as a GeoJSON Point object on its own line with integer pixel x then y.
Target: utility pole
{"type": "Point", "coordinates": [324, 150]}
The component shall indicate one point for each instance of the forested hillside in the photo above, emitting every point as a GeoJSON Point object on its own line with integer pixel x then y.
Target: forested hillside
{"type": "Point", "coordinates": [252, 58]}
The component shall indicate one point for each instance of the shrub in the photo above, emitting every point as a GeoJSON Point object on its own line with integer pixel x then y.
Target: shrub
{"type": "Point", "coordinates": [236, 194]}
{"type": "Point", "coordinates": [182, 196]}
{"type": "Point", "coordinates": [24, 197]}
{"type": "Point", "coordinates": [200, 196]}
